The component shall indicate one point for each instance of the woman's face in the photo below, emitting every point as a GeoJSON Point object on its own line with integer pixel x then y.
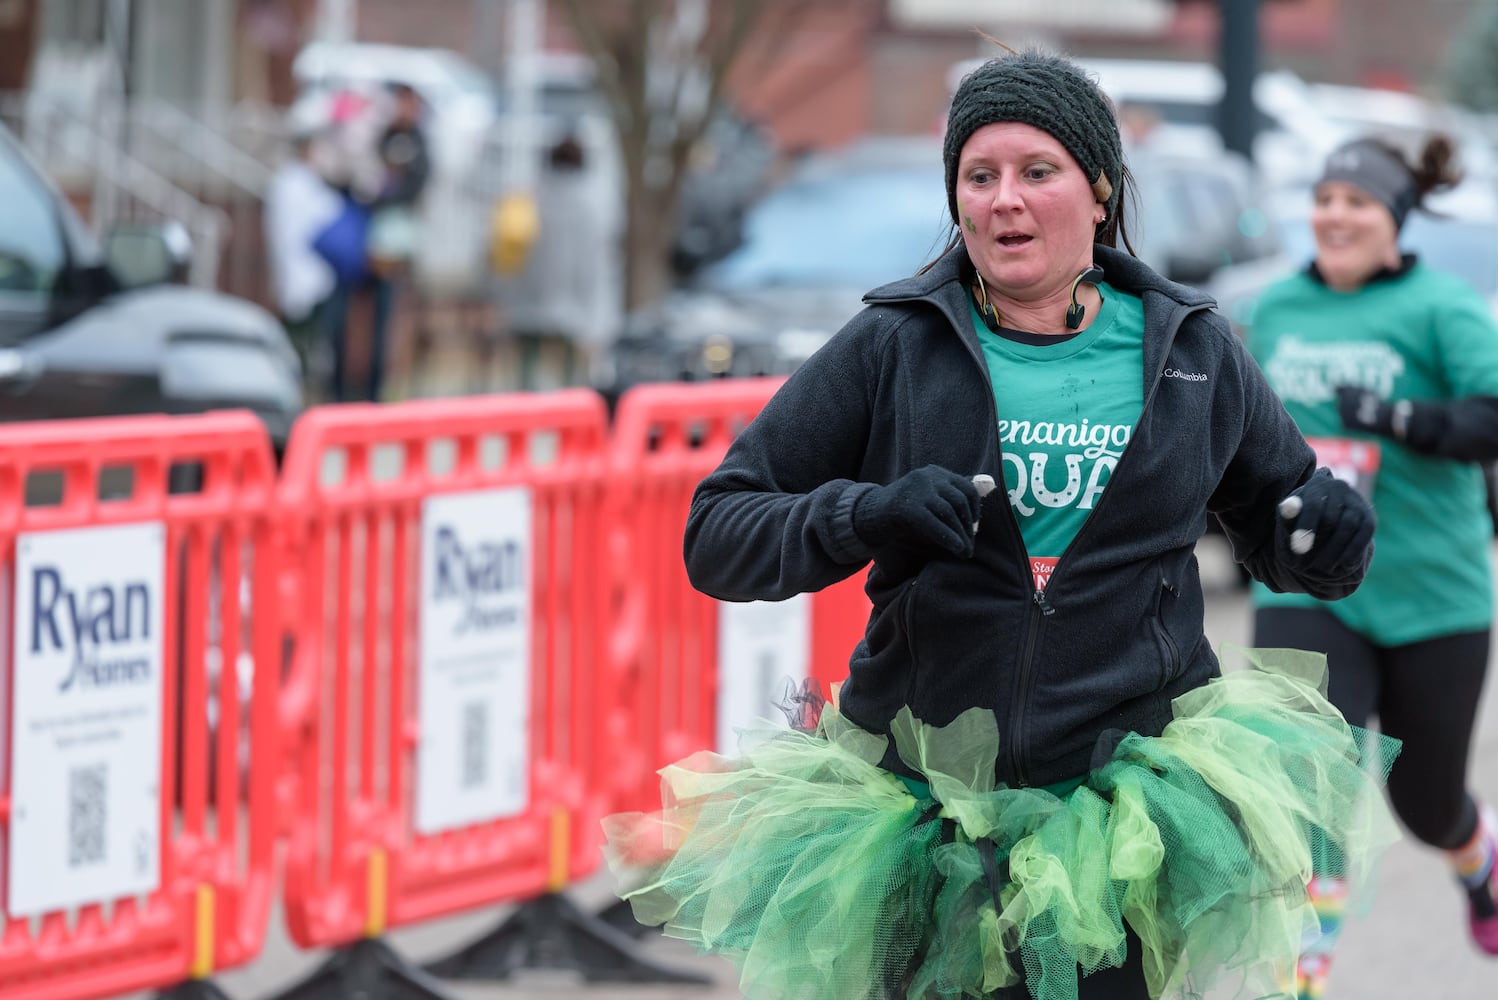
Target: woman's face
{"type": "Point", "coordinates": [1027, 211]}
{"type": "Point", "coordinates": [1355, 235]}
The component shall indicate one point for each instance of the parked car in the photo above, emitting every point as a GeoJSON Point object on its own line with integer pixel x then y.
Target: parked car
{"type": "Point", "coordinates": [842, 224]}
{"type": "Point", "coordinates": [90, 331]}
{"type": "Point", "coordinates": [1197, 211]}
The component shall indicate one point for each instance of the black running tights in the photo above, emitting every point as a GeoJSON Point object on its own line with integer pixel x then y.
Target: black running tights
{"type": "Point", "coordinates": [1425, 694]}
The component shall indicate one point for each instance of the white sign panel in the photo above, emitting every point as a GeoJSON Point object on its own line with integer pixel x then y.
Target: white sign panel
{"type": "Point", "coordinates": [473, 760]}
{"type": "Point", "coordinates": [85, 737]}
{"type": "Point", "coordinates": [761, 647]}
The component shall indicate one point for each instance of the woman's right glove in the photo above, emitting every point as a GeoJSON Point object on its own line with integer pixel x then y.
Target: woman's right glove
{"type": "Point", "coordinates": [927, 508]}
{"type": "Point", "coordinates": [1324, 531]}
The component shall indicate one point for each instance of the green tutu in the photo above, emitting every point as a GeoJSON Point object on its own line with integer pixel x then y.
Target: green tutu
{"type": "Point", "coordinates": [824, 877]}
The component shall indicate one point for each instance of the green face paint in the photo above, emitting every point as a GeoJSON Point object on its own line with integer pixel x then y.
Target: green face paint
{"type": "Point", "coordinates": [971, 226]}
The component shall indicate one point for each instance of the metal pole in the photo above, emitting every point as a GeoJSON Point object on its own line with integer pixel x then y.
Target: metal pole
{"type": "Point", "coordinates": [488, 31]}
{"type": "Point", "coordinates": [517, 220]}
{"type": "Point", "coordinates": [1239, 47]}
{"type": "Point", "coordinates": [523, 80]}
{"type": "Point", "coordinates": [336, 20]}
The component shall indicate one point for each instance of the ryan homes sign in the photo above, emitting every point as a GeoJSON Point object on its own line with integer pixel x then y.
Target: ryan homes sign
{"type": "Point", "coordinates": [85, 735]}
{"type": "Point", "coordinates": [473, 759]}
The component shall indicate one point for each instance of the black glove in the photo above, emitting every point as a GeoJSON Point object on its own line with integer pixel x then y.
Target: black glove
{"type": "Point", "coordinates": [1324, 531]}
{"type": "Point", "coordinates": [931, 507]}
{"type": "Point", "coordinates": [1365, 410]}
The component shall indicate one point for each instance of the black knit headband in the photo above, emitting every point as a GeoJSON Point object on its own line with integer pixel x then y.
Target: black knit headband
{"type": "Point", "coordinates": [1376, 171]}
{"type": "Point", "coordinates": [1047, 92]}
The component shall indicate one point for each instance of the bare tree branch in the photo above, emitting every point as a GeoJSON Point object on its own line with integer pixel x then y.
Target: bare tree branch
{"type": "Point", "coordinates": [665, 74]}
{"type": "Point", "coordinates": [744, 15]}
{"type": "Point", "coordinates": [791, 14]}
{"type": "Point", "coordinates": [599, 49]}
{"type": "Point", "coordinates": [644, 14]}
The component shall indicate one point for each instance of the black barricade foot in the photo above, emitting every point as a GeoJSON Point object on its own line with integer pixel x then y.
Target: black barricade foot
{"type": "Point", "coordinates": [621, 916]}
{"type": "Point", "coordinates": [194, 989]}
{"type": "Point", "coordinates": [553, 933]}
{"type": "Point", "coordinates": [372, 969]}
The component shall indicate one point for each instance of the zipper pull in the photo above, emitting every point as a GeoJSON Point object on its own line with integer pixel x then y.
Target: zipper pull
{"type": "Point", "coordinates": [1043, 604]}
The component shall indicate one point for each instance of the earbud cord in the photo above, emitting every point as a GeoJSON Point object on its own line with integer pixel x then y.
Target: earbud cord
{"type": "Point", "coordinates": [985, 308]}
{"type": "Point", "coordinates": [1075, 311]}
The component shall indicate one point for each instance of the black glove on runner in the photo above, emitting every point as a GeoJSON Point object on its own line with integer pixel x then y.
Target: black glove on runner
{"type": "Point", "coordinates": [930, 507]}
{"type": "Point", "coordinates": [1365, 410]}
{"type": "Point", "coordinates": [1324, 531]}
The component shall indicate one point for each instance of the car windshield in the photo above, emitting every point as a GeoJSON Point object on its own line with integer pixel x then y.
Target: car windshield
{"type": "Point", "coordinates": [1463, 247]}
{"type": "Point", "coordinates": [860, 229]}
{"type": "Point", "coordinates": [32, 251]}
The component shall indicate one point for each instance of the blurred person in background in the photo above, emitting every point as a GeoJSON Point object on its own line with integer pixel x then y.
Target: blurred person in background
{"type": "Point", "coordinates": [299, 204]}
{"type": "Point", "coordinates": [1037, 780]}
{"type": "Point", "coordinates": [1391, 370]}
{"type": "Point", "coordinates": [383, 168]}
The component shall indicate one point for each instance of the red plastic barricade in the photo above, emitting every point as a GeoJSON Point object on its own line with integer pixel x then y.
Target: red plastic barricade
{"type": "Point", "coordinates": [139, 698]}
{"type": "Point", "coordinates": [450, 622]}
{"type": "Point", "coordinates": [688, 668]}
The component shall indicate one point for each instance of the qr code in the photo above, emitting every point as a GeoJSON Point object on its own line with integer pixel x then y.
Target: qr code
{"type": "Point", "coordinates": [87, 787]}
{"type": "Point", "coordinates": [475, 749]}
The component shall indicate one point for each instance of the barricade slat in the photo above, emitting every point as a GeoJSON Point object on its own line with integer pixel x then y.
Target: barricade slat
{"type": "Point", "coordinates": [665, 654]}
{"type": "Point", "coordinates": [359, 860]}
{"type": "Point", "coordinates": [206, 908]}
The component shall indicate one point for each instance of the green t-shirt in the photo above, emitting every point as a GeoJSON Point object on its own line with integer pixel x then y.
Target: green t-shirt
{"type": "Point", "coordinates": [1424, 335]}
{"type": "Point", "coordinates": [1067, 407]}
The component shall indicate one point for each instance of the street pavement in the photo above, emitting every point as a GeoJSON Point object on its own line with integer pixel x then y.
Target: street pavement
{"type": "Point", "coordinates": [1413, 946]}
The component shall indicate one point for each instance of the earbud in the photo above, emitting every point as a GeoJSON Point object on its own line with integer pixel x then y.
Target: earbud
{"type": "Point", "coordinates": [1074, 312]}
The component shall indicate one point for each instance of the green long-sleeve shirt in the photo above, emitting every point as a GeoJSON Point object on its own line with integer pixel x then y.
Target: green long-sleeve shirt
{"type": "Point", "coordinates": [1419, 335]}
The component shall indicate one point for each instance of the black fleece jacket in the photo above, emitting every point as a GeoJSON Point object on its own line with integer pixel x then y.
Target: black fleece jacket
{"type": "Point", "coordinates": [1118, 631]}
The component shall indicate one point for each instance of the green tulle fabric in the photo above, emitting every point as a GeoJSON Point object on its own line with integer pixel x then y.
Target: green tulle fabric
{"type": "Point", "coordinates": [825, 877]}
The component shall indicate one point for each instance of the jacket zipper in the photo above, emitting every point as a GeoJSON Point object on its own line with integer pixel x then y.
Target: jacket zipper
{"type": "Point", "coordinates": [1172, 665]}
{"type": "Point", "coordinates": [1040, 607]}
{"type": "Point", "coordinates": [1018, 752]}
{"type": "Point", "coordinates": [1040, 610]}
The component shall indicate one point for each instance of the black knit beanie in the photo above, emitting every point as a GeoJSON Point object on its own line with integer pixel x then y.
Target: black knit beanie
{"type": "Point", "coordinates": [1050, 93]}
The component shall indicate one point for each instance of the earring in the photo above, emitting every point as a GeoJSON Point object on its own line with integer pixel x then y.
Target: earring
{"type": "Point", "coordinates": [1102, 217]}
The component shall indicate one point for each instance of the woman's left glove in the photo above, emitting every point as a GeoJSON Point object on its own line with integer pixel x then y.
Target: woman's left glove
{"type": "Point", "coordinates": [1324, 531]}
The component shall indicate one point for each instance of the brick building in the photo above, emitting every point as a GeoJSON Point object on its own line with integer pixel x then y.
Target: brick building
{"type": "Point", "coordinates": [849, 67]}
{"type": "Point", "coordinates": [855, 66]}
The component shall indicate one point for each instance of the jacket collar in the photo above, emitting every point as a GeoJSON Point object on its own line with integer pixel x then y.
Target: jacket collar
{"type": "Point", "coordinates": [1407, 264]}
{"type": "Point", "coordinates": [945, 282]}
{"type": "Point", "coordinates": [1166, 303]}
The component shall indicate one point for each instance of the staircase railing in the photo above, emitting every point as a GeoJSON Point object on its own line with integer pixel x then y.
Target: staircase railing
{"type": "Point", "coordinates": [84, 154]}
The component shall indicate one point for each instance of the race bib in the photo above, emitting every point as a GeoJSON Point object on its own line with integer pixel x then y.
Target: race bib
{"type": "Point", "coordinates": [1041, 567]}
{"type": "Point", "coordinates": [1353, 462]}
